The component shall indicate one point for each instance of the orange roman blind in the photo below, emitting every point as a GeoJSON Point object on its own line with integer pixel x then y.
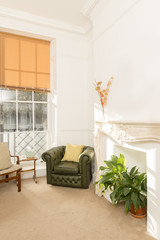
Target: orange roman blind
{"type": "Point", "coordinates": [24, 63]}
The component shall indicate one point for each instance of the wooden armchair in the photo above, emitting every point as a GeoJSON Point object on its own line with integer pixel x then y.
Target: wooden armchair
{"type": "Point", "coordinates": [7, 168]}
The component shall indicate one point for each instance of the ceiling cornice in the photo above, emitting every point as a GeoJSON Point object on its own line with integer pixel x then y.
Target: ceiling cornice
{"type": "Point", "coordinates": [87, 8]}
{"type": "Point", "coordinates": [10, 13]}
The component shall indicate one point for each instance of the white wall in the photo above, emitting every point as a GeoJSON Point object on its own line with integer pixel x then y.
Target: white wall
{"type": "Point", "coordinates": [73, 91]}
{"type": "Point", "coordinates": [126, 42]}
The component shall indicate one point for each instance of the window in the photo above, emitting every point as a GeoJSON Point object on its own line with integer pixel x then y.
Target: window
{"type": "Point", "coordinates": [24, 87]}
{"type": "Point", "coordinates": [23, 120]}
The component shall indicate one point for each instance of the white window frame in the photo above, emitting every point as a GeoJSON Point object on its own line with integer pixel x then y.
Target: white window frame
{"type": "Point", "coordinates": [33, 131]}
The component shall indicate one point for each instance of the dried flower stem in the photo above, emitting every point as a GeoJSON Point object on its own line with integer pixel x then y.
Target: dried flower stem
{"type": "Point", "coordinates": [103, 93]}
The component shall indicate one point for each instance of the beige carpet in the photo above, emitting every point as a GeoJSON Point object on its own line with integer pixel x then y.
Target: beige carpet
{"type": "Point", "coordinates": [45, 212]}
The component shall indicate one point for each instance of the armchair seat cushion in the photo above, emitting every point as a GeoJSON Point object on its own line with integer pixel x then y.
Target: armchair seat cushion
{"type": "Point", "coordinates": [66, 167]}
{"type": "Point", "coordinates": [13, 168]}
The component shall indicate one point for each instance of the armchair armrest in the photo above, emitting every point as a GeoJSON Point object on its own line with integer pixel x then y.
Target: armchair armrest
{"type": "Point", "coordinates": [85, 158]}
{"type": "Point", "coordinates": [54, 154]}
{"type": "Point", "coordinates": [52, 157]}
{"type": "Point", "coordinates": [17, 162]}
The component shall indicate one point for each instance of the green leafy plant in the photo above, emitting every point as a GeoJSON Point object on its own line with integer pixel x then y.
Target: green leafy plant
{"type": "Point", "coordinates": [130, 186]}
{"type": "Point", "coordinates": [134, 189]}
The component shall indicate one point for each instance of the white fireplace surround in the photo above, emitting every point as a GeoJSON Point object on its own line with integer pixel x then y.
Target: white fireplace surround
{"type": "Point", "coordinates": [143, 138]}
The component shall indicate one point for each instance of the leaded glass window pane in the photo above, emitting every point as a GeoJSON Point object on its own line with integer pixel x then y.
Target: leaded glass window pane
{"type": "Point", "coordinates": [40, 116]}
{"type": "Point", "coordinates": [40, 140]}
{"type": "Point", "coordinates": [25, 117]}
{"type": "Point", "coordinates": [7, 117]}
{"type": "Point", "coordinates": [22, 141]}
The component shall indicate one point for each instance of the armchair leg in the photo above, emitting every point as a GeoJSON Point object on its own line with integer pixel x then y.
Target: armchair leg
{"type": "Point", "coordinates": [6, 178]}
{"type": "Point", "coordinates": [19, 181]}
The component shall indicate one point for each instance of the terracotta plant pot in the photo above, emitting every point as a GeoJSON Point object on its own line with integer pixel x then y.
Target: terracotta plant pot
{"type": "Point", "coordinates": [140, 213]}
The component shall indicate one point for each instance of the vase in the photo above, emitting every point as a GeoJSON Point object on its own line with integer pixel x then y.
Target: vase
{"type": "Point", "coordinates": [103, 114]}
{"type": "Point", "coordinates": [140, 213]}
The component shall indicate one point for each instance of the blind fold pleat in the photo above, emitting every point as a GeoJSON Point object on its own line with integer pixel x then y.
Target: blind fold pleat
{"type": "Point", "coordinates": [24, 63]}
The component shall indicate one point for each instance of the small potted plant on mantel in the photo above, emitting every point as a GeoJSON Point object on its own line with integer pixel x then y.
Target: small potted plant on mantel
{"type": "Point", "coordinates": [129, 186]}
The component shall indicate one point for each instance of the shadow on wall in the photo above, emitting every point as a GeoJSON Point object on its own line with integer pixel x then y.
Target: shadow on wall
{"type": "Point", "coordinates": [108, 114]}
{"type": "Point", "coordinates": [153, 190]}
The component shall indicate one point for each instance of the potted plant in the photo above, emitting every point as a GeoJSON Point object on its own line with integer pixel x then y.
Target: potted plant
{"type": "Point", "coordinates": [130, 186]}
{"type": "Point", "coordinates": [135, 192]}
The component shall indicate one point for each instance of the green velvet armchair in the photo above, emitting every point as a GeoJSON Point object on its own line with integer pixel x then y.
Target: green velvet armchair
{"type": "Point", "coordinates": [67, 173]}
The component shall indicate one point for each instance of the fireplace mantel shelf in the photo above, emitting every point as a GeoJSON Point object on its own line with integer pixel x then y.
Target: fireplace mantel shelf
{"type": "Point", "coordinates": [131, 131]}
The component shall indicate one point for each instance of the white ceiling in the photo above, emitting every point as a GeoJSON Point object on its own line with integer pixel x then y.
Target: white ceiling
{"type": "Point", "coordinates": [68, 11]}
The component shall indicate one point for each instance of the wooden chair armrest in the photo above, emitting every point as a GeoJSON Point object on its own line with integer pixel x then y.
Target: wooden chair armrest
{"type": "Point", "coordinates": [18, 160]}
